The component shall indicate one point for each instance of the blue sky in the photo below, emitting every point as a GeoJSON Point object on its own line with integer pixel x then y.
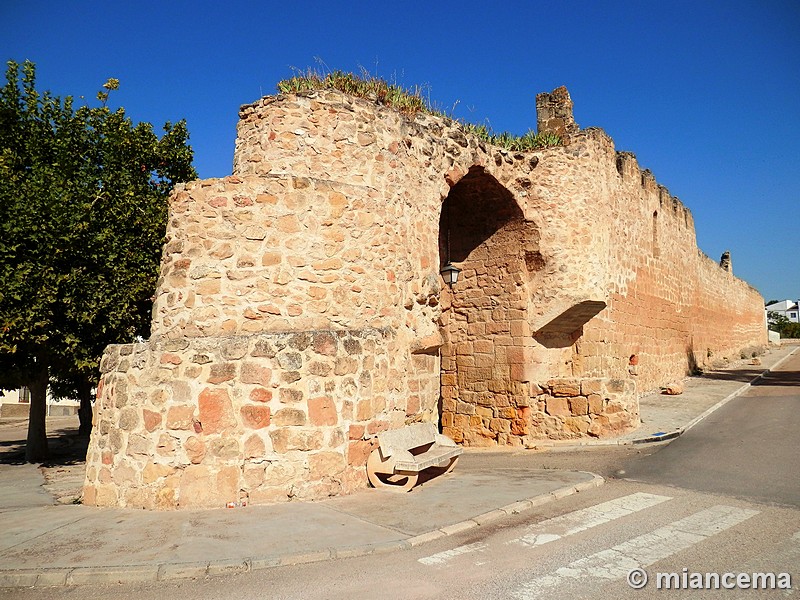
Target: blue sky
{"type": "Point", "coordinates": [705, 93]}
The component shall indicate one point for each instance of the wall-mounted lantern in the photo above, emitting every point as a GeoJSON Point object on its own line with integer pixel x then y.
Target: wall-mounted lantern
{"type": "Point", "coordinates": [450, 273]}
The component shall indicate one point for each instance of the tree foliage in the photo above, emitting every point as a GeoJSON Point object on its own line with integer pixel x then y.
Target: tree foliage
{"type": "Point", "coordinates": [781, 323]}
{"type": "Point", "coordinates": [83, 208]}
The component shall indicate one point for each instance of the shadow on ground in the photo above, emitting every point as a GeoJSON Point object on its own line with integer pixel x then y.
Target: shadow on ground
{"type": "Point", "coordinates": [66, 448]}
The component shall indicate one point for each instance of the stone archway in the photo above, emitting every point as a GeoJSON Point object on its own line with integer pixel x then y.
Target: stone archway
{"type": "Point", "coordinates": [484, 320]}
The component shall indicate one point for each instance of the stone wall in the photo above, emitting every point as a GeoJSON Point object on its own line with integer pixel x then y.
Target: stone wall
{"type": "Point", "coordinates": [197, 422]}
{"type": "Point", "coordinates": [300, 308]}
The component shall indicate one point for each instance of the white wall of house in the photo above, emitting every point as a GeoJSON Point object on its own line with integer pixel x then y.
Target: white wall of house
{"type": "Point", "coordinates": [16, 403]}
{"type": "Point", "coordinates": [787, 308]}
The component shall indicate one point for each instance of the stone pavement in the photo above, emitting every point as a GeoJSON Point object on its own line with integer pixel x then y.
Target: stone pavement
{"type": "Point", "coordinates": [49, 544]}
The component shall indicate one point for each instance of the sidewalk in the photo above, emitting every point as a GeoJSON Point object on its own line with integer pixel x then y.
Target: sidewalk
{"type": "Point", "coordinates": [54, 545]}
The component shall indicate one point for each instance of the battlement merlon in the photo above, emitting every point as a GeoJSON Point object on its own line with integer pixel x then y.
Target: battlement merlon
{"type": "Point", "coordinates": [554, 113]}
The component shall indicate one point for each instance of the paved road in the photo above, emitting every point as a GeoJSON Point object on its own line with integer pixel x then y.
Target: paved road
{"type": "Point", "coordinates": [723, 498]}
{"type": "Point", "coordinates": [747, 450]}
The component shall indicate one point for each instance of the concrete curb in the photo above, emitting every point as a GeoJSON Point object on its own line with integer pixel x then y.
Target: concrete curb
{"type": "Point", "coordinates": [75, 576]}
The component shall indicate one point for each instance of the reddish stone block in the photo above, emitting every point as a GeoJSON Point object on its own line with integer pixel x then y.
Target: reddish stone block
{"type": "Point", "coordinates": [255, 373]}
{"type": "Point", "coordinates": [579, 405]}
{"type": "Point", "coordinates": [356, 432]}
{"type": "Point", "coordinates": [325, 343]}
{"type": "Point", "coordinates": [152, 420]}
{"type": "Point", "coordinates": [358, 451]}
{"type": "Point", "coordinates": [520, 427]}
{"type": "Point", "coordinates": [260, 395]}
{"type": "Point", "coordinates": [255, 417]}
{"type": "Point", "coordinates": [558, 407]}
{"type": "Point", "coordinates": [322, 411]}
{"type": "Point", "coordinates": [170, 359]}
{"type": "Point", "coordinates": [413, 405]}
{"type": "Point", "coordinates": [595, 404]}
{"type": "Point", "coordinates": [515, 355]}
{"type": "Point", "coordinates": [216, 410]}
{"type": "Point", "coordinates": [374, 427]}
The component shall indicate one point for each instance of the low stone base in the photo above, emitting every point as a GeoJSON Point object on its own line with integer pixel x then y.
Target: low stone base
{"type": "Point", "coordinates": [560, 409]}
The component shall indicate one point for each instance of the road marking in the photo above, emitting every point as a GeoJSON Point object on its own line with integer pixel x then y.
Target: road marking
{"type": "Point", "coordinates": [442, 557]}
{"type": "Point", "coordinates": [641, 551]}
{"type": "Point", "coordinates": [581, 520]}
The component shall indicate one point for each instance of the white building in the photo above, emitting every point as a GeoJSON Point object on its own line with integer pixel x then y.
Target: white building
{"type": "Point", "coordinates": [786, 308]}
{"type": "Point", "coordinates": [16, 403]}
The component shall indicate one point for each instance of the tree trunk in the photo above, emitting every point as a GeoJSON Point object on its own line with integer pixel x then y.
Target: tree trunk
{"type": "Point", "coordinates": [36, 449]}
{"type": "Point", "coordinates": [85, 410]}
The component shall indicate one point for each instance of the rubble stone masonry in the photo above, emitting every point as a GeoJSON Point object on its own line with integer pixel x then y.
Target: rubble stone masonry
{"type": "Point", "coordinates": [300, 308]}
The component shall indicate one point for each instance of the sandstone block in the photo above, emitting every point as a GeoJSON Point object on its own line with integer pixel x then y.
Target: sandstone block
{"type": "Point", "coordinates": [260, 394]}
{"type": "Point", "coordinates": [374, 427]}
{"type": "Point", "coordinates": [595, 404]}
{"type": "Point", "coordinates": [591, 386]}
{"type": "Point", "coordinates": [180, 417]}
{"type": "Point", "coordinates": [222, 372]}
{"type": "Point", "coordinates": [290, 396]}
{"type": "Point", "coordinates": [195, 449]}
{"type": "Point", "coordinates": [152, 420]}
{"type": "Point", "coordinates": [564, 387]}
{"type": "Point", "coordinates": [254, 447]}
{"type": "Point", "coordinates": [269, 495]}
{"type": "Point", "coordinates": [255, 417]}
{"type": "Point", "coordinates": [153, 471]}
{"type": "Point", "coordinates": [358, 451]}
{"type": "Point", "coordinates": [216, 410]}
{"type": "Point", "coordinates": [289, 416]}
{"type": "Point", "coordinates": [128, 419]}
{"type": "Point", "coordinates": [558, 407]}
{"type": "Point", "coordinates": [289, 438]}
{"type": "Point", "coordinates": [322, 411]}
{"type": "Point", "coordinates": [579, 405]}
{"type": "Point", "coordinates": [226, 487]}
{"type": "Point", "coordinates": [253, 476]}
{"type": "Point", "coordinates": [138, 445]}
{"type": "Point", "coordinates": [225, 448]}
{"type": "Point", "coordinates": [520, 427]}
{"type": "Point", "coordinates": [579, 425]}
{"type": "Point", "coordinates": [326, 464]}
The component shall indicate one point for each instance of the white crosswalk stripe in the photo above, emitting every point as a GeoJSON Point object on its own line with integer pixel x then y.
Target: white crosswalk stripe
{"type": "Point", "coordinates": [581, 520]}
{"type": "Point", "coordinates": [442, 557]}
{"type": "Point", "coordinates": [641, 551]}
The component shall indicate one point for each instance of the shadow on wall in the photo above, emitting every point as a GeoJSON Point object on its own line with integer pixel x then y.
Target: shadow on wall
{"type": "Point", "coordinates": [566, 328]}
{"type": "Point", "coordinates": [464, 224]}
{"type": "Point", "coordinates": [691, 360]}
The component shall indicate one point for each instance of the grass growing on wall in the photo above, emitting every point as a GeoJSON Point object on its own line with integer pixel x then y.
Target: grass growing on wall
{"type": "Point", "coordinates": [409, 102]}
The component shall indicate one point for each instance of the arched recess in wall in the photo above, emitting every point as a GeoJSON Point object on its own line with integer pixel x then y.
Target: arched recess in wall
{"type": "Point", "coordinates": [482, 230]}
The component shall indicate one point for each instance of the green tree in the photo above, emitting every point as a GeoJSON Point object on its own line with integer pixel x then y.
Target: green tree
{"type": "Point", "coordinates": [83, 208]}
{"type": "Point", "coordinates": [776, 321]}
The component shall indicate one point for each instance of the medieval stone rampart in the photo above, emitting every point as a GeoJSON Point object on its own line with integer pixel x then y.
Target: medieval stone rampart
{"type": "Point", "coordinates": [300, 308]}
